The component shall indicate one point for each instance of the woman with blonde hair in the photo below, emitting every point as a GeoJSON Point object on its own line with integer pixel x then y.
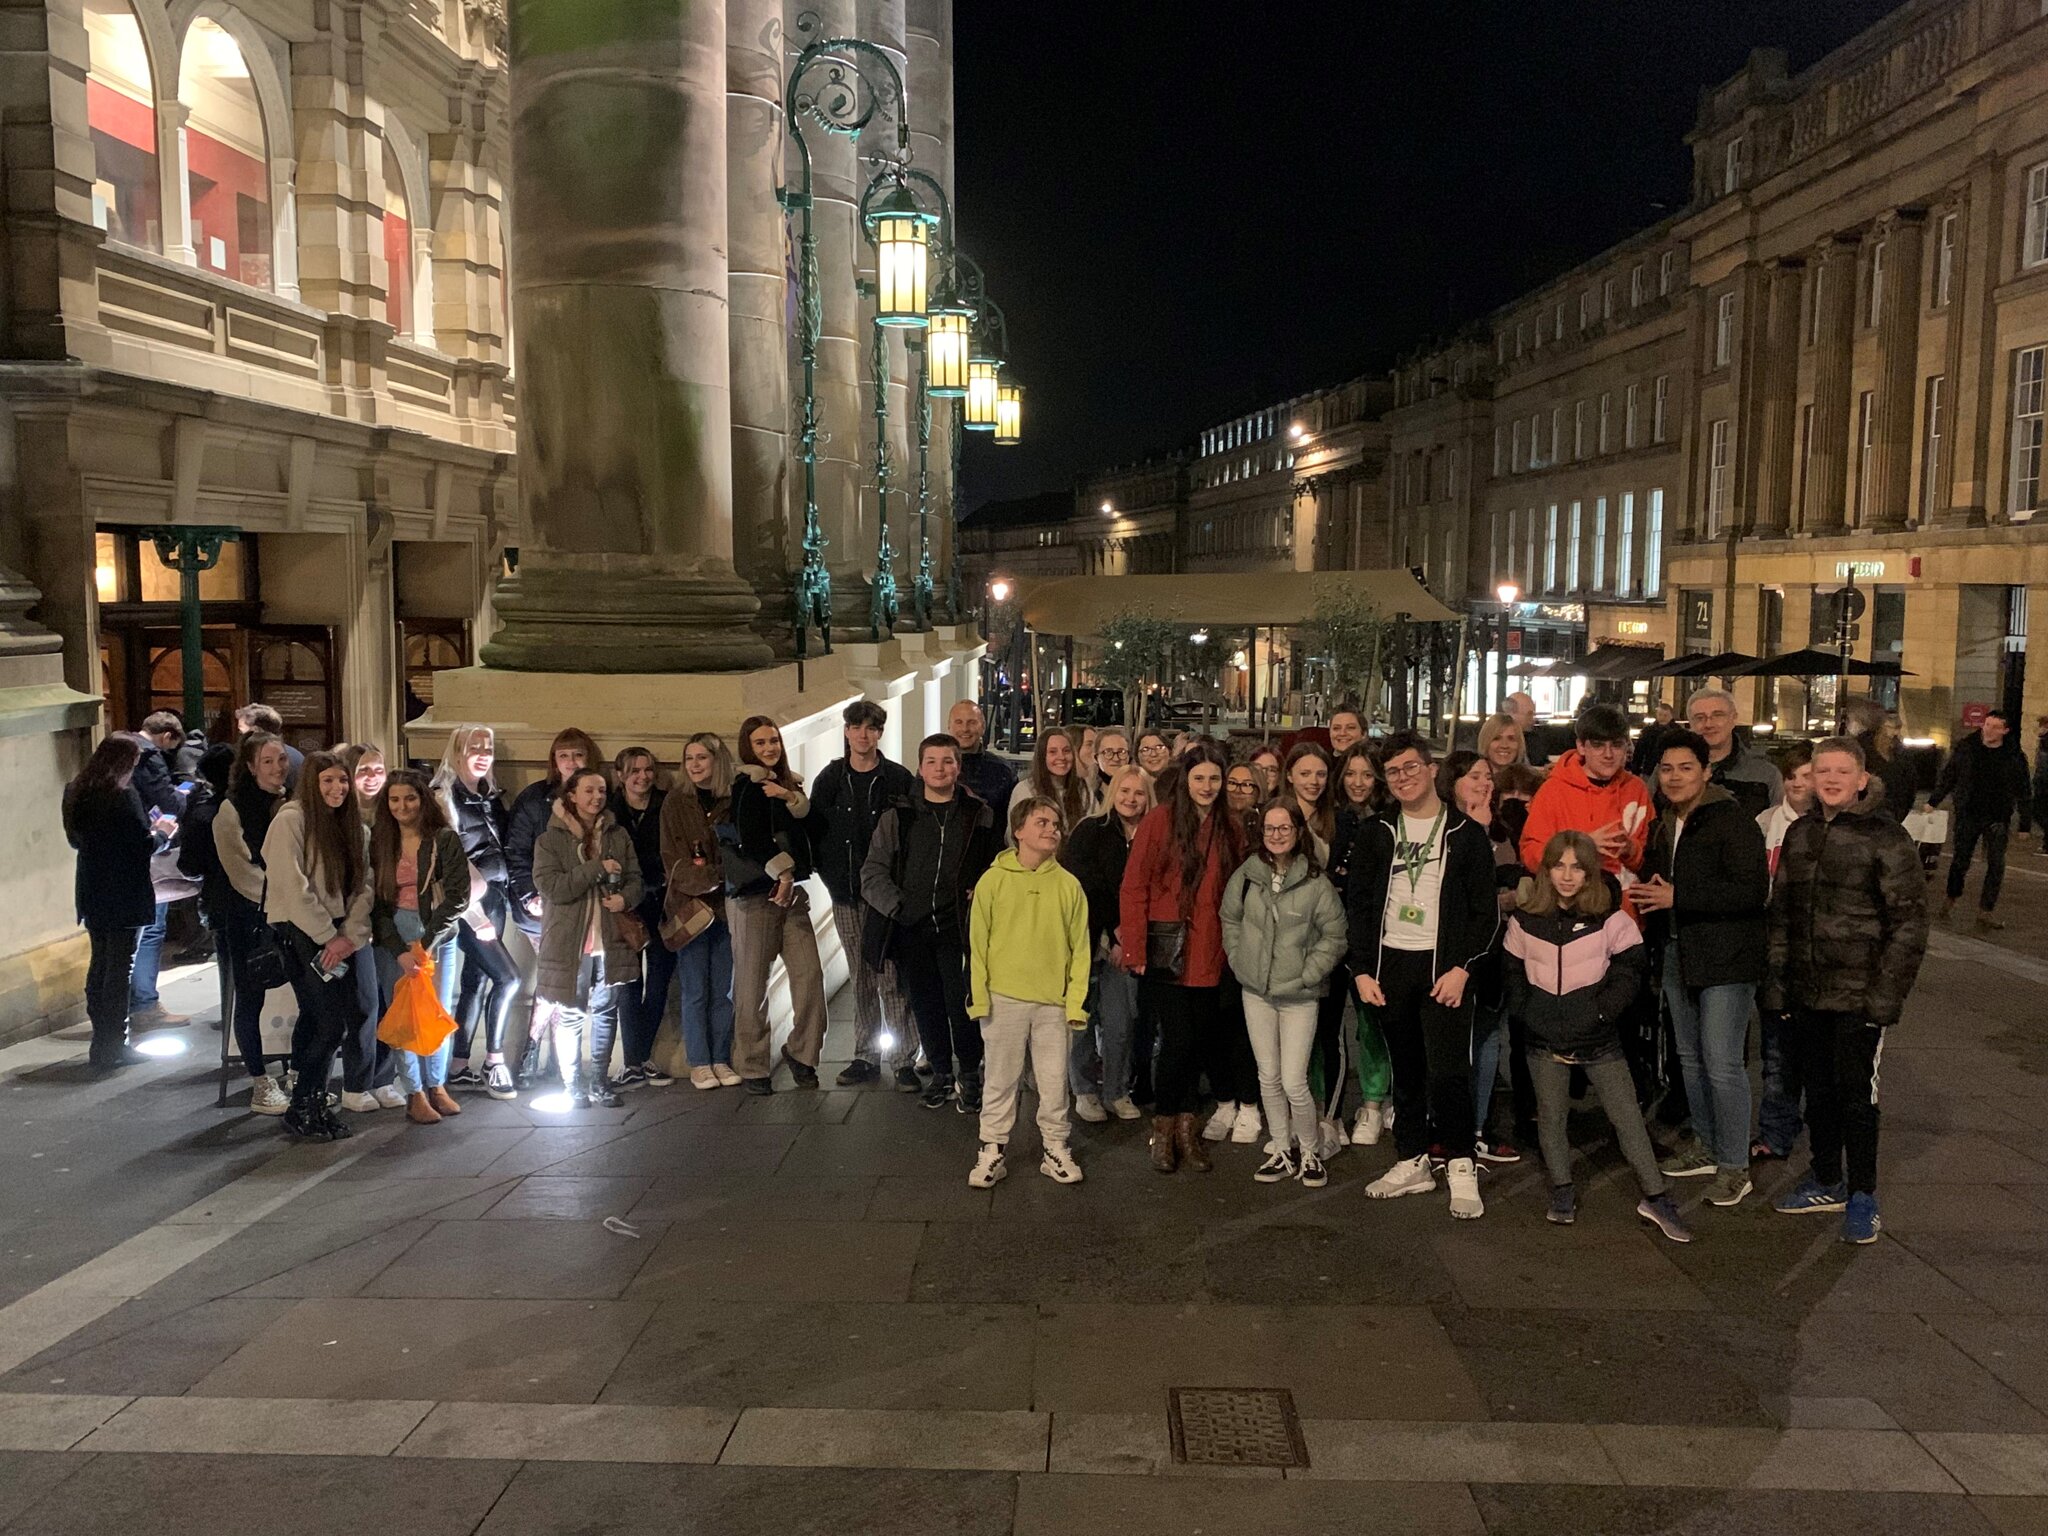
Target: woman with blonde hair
{"type": "Point", "coordinates": [693, 921]}
{"type": "Point", "coordinates": [489, 981]}
{"type": "Point", "coordinates": [1055, 775]}
{"type": "Point", "coordinates": [1501, 743]}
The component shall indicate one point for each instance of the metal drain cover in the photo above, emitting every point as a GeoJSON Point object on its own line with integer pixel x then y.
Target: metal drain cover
{"type": "Point", "coordinates": [1235, 1427]}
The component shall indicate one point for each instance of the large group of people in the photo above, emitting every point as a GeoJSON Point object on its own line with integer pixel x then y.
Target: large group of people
{"type": "Point", "coordinates": [1323, 947]}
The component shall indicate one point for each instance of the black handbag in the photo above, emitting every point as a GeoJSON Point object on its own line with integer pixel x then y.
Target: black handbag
{"type": "Point", "coordinates": [259, 960]}
{"type": "Point", "coordinates": [1166, 950]}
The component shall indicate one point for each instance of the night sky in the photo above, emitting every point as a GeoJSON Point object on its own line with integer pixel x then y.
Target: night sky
{"type": "Point", "coordinates": [1189, 210]}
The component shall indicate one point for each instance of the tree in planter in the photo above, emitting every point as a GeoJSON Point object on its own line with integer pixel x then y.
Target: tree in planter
{"type": "Point", "coordinates": [1134, 650]}
{"type": "Point", "coordinates": [1348, 629]}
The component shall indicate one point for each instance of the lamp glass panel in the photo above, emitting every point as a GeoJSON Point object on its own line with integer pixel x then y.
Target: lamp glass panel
{"type": "Point", "coordinates": [903, 253]}
{"type": "Point", "coordinates": [981, 394]}
{"type": "Point", "coordinates": [1010, 414]}
{"type": "Point", "coordinates": [946, 354]}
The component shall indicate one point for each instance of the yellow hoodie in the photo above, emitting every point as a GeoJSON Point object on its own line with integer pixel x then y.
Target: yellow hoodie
{"type": "Point", "coordinates": [1028, 937]}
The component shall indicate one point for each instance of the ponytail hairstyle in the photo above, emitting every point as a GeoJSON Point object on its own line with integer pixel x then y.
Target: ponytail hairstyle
{"type": "Point", "coordinates": [334, 838]}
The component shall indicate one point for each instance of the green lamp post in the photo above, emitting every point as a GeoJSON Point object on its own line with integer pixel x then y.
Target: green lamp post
{"type": "Point", "coordinates": [191, 552]}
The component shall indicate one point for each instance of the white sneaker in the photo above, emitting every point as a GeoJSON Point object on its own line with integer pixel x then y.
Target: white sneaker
{"type": "Point", "coordinates": [989, 1168]}
{"type": "Point", "coordinates": [1088, 1106]}
{"type": "Point", "coordinates": [1220, 1123]}
{"type": "Point", "coordinates": [1124, 1109]}
{"type": "Point", "coordinates": [389, 1096]}
{"type": "Point", "coordinates": [1249, 1128]}
{"type": "Point", "coordinates": [359, 1103]}
{"type": "Point", "coordinates": [1463, 1178]}
{"type": "Point", "coordinates": [1370, 1121]}
{"type": "Point", "coordinates": [267, 1096]}
{"type": "Point", "coordinates": [1058, 1165]}
{"type": "Point", "coordinates": [1406, 1178]}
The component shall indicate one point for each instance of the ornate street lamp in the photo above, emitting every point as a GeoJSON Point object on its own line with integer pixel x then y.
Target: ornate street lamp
{"type": "Point", "coordinates": [900, 230]}
{"type": "Point", "coordinates": [191, 551]}
{"type": "Point", "coordinates": [946, 346]}
{"type": "Point", "coordinates": [982, 391]}
{"type": "Point", "coordinates": [1009, 415]}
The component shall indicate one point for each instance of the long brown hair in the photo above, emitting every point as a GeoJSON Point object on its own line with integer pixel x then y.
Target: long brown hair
{"type": "Point", "coordinates": [781, 772]}
{"type": "Point", "coordinates": [1193, 837]}
{"type": "Point", "coordinates": [387, 837]}
{"type": "Point", "coordinates": [246, 747]}
{"type": "Point", "coordinates": [1304, 850]}
{"type": "Point", "coordinates": [1071, 798]}
{"type": "Point", "coordinates": [334, 838]}
{"type": "Point", "coordinates": [105, 774]}
{"type": "Point", "coordinates": [1324, 822]}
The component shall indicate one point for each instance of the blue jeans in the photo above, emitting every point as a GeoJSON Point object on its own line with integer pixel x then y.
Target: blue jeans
{"type": "Point", "coordinates": [704, 972]}
{"type": "Point", "coordinates": [1712, 1026]}
{"type": "Point", "coordinates": [1114, 1020]}
{"type": "Point", "coordinates": [643, 1002]}
{"type": "Point", "coordinates": [1489, 1039]}
{"type": "Point", "coordinates": [149, 955]}
{"type": "Point", "coordinates": [1777, 1115]}
{"type": "Point", "coordinates": [412, 1072]}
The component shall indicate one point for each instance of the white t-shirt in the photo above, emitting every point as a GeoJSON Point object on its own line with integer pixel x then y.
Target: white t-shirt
{"type": "Point", "coordinates": [1397, 931]}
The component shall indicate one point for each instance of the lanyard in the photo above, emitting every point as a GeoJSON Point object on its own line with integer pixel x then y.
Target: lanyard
{"type": "Point", "coordinates": [1414, 857]}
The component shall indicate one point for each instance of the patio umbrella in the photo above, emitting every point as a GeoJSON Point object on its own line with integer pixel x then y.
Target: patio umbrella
{"type": "Point", "coordinates": [1725, 664]}
{"type": "Point", "coordinates": [1814, 663]}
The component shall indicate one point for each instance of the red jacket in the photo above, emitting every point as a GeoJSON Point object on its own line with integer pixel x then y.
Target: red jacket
{"type": "Point", "coordinates": [1569, 801]}
{"type": "Point", "coordinates": [1151, 892]}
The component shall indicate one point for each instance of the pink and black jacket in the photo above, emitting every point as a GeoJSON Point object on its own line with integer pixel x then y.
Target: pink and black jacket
{"type": "Point", "coordinates": [1569, 976]}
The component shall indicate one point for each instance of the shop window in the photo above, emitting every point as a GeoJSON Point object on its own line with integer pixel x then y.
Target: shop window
{"type": "Point", "coordinates": [226, 582]}
{"type": "Point", "coordinates": [120, 111]}
{"type": "Point", "coordinates": [227, 158]}
{"type": "Point", "coordinates": [398, 295]}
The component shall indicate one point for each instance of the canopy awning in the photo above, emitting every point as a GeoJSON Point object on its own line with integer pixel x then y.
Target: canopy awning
{"type": "Point", "coordinates": [1720, 664]}
{"type": "Point", "coordinates": [1818, 663]}
{"type": "Point", "coordinates": [1082, 605]}
{"type": "Point", "coordinates": [1608, 663]}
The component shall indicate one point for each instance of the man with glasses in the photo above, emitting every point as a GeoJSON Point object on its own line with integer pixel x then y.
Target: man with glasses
{"type": "Point", "coordinates": [1422, 915]}
{"type": "Point", "coordinates": [1743, 771]}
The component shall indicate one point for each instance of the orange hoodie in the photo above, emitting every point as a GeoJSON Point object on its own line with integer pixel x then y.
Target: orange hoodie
{"type": "Point", "coordinates": [1570, 801]}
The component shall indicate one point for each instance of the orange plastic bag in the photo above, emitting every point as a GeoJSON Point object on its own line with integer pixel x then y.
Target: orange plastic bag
{"type": "Point", "coordinates": [416, 1021]}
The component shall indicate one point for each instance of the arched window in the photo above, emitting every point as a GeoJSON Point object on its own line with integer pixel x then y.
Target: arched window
{"type": "Point", "coordinates": [399, 277]}
{"type": "Point", "coordinates": [120, 109]}
{"type": "Point", "coordinates": [227, 158]}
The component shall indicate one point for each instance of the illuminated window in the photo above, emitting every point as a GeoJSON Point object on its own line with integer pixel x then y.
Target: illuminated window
{"type": "Point", "coordinates": [227, 158]}
{"type": "Point", "coordinates": [2027, 417]}
{"type": "Point", "coordinates": [120, 109]}
{"type": "Point", "coordinates": [398, 294]}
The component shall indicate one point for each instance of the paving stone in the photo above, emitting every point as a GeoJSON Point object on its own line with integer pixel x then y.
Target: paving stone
{"type": "Point", "coordinates": [309, 1251]}
{"type": "Point", "coordinates": [549, 1198]}
{"type": "Point", "coordinates": [2004, 1271]}
{"type": "Point", "coordinates": [489, 1351]}
{"type": "Point", "coordinates": [1852, 1460]}
{"type": "Point", "coordinates": [959, 1440]}
{"type": "Point", "coordinates": [1916, 1209]}
{"type": "Point", "coordinates": [767, 1261]}
{"type": "Point", "coordinates": [571, 1432]}
{"type": "Point", "coordinates": [540, 1259]}
{"type": "Point", "coordinates": [148, 1357]}
{"type": "Point", "coordinates": [1056, 1505]}
{"type": "Point", "coordinates": [1888, 1276]}
{"type": "Point", "coordinates": [543, 1147]}
{"type": "Point", "coordinates": [1957, 1157]}
{"type": "Point", "coordinates": [345, 1269]}
{"type": "Point", "coordinates": [2014, 1517]}
{"type": "Point", "coordinates": [557, 1498]}
{"type": "Point", "coordinates": [258, 1426]}
{"type": "Point", "coordinates": [1418, 1452]}
{"type": "Point", "coordinates": [1536, 1511]}
{"type": "Point", "coordinates": [825, 1107]}
{"type": "Point", "coordinates": [1050, 1263]}
{"type": "Point", "coordinates": [1129, 1444]}
{"type": "Point", "coordinates": [1831, 1413]}
{"type": "Point", "coordinates": [1994, 1464]}
{"type": "Point", "coordinates": [901, 1355]}
{"type": "Point", "coordinates": [689, 1145]}
{"type": "Point", "coordinates": [384, 1199]}
{"type": "Point", "coordinates": [2014, 1349]}
{"type": "Point", "coordinates": [933, 1145]}
{"type": "Point", "coordinates": [1505, 1267]}
{"type": "Point", "coordinates": [27, 1476]}
{"type": "Point", "coordinates": [259, 1495]}
{"type": "Point", "coordinates": [1357, 1265]}
{"type": "Point", "coordinates": [1339, 1362]}
{"type": "Point", "coordinates": [741, 1198]}
{"type": "Point", "coordinates": [53, 1421]}
{"type": "Point", "coordinates": [896, 1197]}
{"type": "Point", "coordinates": [453, 1149]}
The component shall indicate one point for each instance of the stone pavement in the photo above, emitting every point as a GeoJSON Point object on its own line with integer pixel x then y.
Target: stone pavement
{"type": "Point", "coordinates": [801, 1319]}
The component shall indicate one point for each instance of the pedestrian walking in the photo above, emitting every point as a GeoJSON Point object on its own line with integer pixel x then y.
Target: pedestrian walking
{"type": "Point", "coordinates": [1284, 933]}
{"type": "Point", "coordinates": [1422, 915]}
{"type": "Point", "coordinates": [1706, 889]}
{"type": "Point", "coordinates": [1987, 776]}
{"type": "Point", "coordinates": [1028, 958]}
{"type": "Point", "coordinates": [1847, 932]}
{"type": "Point", "coordinates": [1573, 961]}
{"type": "Point", "coordinates": [846, 803]}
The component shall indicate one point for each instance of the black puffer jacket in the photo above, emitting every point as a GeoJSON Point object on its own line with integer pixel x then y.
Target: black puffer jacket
{"type": "Point", "coordinates": [1848, 916]}
{"type": "Point", "coordinates": [479, 815]}
{"type": "Point", "coordinates": [1722, 882]}
{"type": "Point", "coordinates": [844, 809]}
{"type": "Point", "coordinates": [531, 808]}
{"type": "Point", "coordinates": [1570, 976]}
{"type": "Point", "coordinates": [926, 857]}
{"type": "Point", "coordinates": [1095, 855]}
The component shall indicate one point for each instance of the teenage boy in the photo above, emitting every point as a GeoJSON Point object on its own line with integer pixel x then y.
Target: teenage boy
{"type": "Point", "coordinates": [846, 803]}
{"type": "Point", "coordinates": [1423, 914]}
{"type": "Point", "coordinates": [1847, 930]}
{"type": "Point", "coordinates": [927, 852]}
{"type": "Point", "coordinates": [1029, 962]}
{"type": "Point", "coordinates": [1590, 790]}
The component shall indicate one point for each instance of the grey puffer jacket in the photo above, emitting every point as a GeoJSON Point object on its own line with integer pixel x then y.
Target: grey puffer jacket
{"type": "Point", "coordinates": [568, 886]}
{"type": "Point", "coordinates": [1283, 944]}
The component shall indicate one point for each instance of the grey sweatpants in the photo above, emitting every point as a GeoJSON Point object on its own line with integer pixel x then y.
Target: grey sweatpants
{"type": "Point", "coordinates": [1617, 1090]}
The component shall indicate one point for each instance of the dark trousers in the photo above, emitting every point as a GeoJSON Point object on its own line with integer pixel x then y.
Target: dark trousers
{"type": "Point", "coordinates": [328, 1010]}
{"type": "Point", "coordinates": [1233, 1069]}
{"type": "Point", "coordinates": [1186, 1018]}
{"type": "Point", "coordinates": [1330, 1055]}
{"type": "Point", "coordinates": [931, 969]}
{"type": "Point", "coordinates": [1994, 834]}
{"type": "Point", "coordinates": [1431, 1047]}
{"type": "Point", "coordinates": [106, 987]}
{"type": "Point", "coordinates": [642, 1003]}
{"type": "Point", "coordinates": [366, 1062]}
{"type": "Point", "coordinates": [234, 937]}
{"type": "Point", "coordinates": [1834, 1057]}
{"type": "Point", "coordinates": [489, 982]}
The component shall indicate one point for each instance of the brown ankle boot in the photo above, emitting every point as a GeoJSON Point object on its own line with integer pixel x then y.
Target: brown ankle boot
{"type": "Point", "coordinates": [443, 1100]}
{"type": "Point", "coordinates": [1187, 1138]}
{"type": "Point", "coordinates": [1165, 1155]}
{"type": "Point", "coordinates": [419, 1111]}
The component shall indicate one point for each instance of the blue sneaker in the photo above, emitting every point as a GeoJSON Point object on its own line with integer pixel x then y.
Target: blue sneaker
{"type": "Point", "coordinates": [1809, 1196]}
{"type": "Point", "coordinates": [1862, 1223]}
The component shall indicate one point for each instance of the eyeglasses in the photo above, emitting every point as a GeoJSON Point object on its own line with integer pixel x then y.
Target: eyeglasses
{"type": "Point", "coordinates": [1283, 830]}
{"type": "Point", "coordinates": [1406, 770]}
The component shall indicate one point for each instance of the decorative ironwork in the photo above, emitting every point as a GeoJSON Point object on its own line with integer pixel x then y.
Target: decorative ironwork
{"type": "Point", "coordinates": [882, 590]}
{"type": "Point", "coordinates": [189, 552]}
{"type": "Point", "coordinates": [921, 583]}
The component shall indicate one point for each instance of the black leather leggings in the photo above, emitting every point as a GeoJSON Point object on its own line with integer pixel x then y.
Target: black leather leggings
{"type": "Point", "coordinates": [486, 968]}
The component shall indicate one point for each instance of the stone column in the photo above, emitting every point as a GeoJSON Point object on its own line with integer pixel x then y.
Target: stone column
{"type": "Point", "coordinates": [619, 309]}
{"type": "Point", "coordinates": [1777, 382]}
{"type": "Point", "coordinates": [1828, 453]}
{"type": "Point", "coordinates": [1974, 358]}
{"type": "Point", "coordinates": [882, 23]}
{"type": "Point", "coordinates": [928, 34]}
{"type": "Point", "coordinates": [764, 550]}
{"type": "Point", "coordinates": [48, 242]}
{"type": "Point", "coordinates": [1898, 370]}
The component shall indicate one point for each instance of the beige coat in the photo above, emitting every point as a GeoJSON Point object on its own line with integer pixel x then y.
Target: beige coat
{"type": "Point", "coordinates": [568, 886]}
